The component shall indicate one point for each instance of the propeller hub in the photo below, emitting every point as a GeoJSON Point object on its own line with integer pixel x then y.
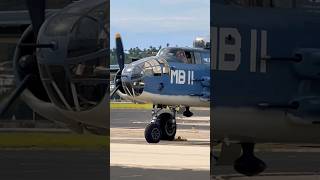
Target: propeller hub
{"type": "Point", "coordinates": [132, 80]}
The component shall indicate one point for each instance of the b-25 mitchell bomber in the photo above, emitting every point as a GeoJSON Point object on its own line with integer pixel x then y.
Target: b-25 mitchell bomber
{"type": "Point", "coordinates": [175, 77]}
{"type": "Point", "coordinates": [266, 74]}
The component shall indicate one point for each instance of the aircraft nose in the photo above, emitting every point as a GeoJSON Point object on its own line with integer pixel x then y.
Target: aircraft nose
{"type": "Point", "coordinates": [132, 80]}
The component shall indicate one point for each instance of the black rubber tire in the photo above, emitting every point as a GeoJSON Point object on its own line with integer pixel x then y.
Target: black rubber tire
{"type": "Point", "coordinates": [167, 134]}
{"type": "Point", "coordinates": [152, 133]}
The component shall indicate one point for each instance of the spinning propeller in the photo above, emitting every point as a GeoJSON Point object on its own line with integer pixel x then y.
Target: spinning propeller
{"type": "Point", "coordinates": [120, 58]}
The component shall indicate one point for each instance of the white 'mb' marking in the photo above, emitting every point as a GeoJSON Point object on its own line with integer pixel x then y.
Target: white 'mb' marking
{"type": "Point", "coordinates": [181, 77]}
{"type": "Point", "coordinates": [226, 49]}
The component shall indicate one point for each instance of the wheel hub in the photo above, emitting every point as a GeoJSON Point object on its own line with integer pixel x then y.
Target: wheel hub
{"type": "Point", "coordinates": [155, 133]}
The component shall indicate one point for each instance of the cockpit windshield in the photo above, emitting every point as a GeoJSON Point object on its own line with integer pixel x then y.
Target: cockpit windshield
{"type": "Point", "coordinates": [176, 55]}
{"type": "Point", "coordinates": [155, 67]}
{"type": "Point", "coordinates": [152, 66]}
{"type": "Point", "coordinates": [185, 55]}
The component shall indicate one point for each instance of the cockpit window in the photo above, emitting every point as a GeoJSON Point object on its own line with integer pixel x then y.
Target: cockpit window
{"type": "Point", "coordinates": [181, 55]}
{"type": "Point", "coordinates": [202, 57]}
{"type": "Point", "coordinates": [84, 37]}
{"type": "Point", "coordinates": [165, 67]}
{"type": "Point", "coordinates": [189, 57]}
{"type": "Point", "coordinates": [155, 67]}
{"type": "Point", "coordinates": [177, 55]}
{"type": "Point", "coordinates": [60, 25]}
{"type": "Point", "coordinates": [205, 57]}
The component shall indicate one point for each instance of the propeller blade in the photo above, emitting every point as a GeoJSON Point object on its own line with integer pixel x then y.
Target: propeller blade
{"type": "Point", "coordinates": [37, 13]}
{"type": "Point", "coordinates": [15, 94]}
{"type": "Point", "coordinates": [115, 89]}
{"type": "Point", "coordinates": [120, 52]}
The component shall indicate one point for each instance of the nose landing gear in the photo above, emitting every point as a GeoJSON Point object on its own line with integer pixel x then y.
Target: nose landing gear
{"type": "Point", "coordinates": [163, 125]}
{"type": "Point", "coordinates": [152, 133]}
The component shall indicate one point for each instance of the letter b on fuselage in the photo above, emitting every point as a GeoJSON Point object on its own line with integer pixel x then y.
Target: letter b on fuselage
{"type": "Point", "coordinates": [229, 49]}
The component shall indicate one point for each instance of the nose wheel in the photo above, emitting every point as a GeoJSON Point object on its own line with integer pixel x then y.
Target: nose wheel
{"type": "Point", "coordinates": [162, 127]}
{"type": "Point", "coordinates": [152, 133]}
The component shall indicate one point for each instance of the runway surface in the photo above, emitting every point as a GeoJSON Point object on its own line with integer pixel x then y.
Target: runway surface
{"type": "Point", "coordinates": [53, 165]}
{"type": "Point", "coordinates": [161, 162]}
{"type": "Point", "coordinates": [138, 118]}
{"type": "Point", "coordinates": [286, 164]}
{"type": "Point", "coordinates": [127, 173]}
{"type": "Point", "coordinates": [133, 158]}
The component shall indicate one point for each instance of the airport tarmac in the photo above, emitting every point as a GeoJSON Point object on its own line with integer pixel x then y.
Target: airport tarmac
{"type": "Point", "coordinates": [132, 158]}
{"type": "Point", "coordinates": [53, 165]}
{"type": "Point", "coordinates": [283, 164]}
{"type": "Point", "coordinates": [139, 118]}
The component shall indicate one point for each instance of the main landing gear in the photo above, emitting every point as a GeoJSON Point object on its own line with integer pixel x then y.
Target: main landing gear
{"type": "Point", "coordinates": [248, 164]}
{"type": "Point", "coordinates": [245, 163]}
{"type": "Point", "coordinates": [163, 125]}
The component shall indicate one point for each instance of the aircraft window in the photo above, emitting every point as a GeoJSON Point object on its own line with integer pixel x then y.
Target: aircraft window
{"type": "Point", "coordinates": [157, 70]}
{"type": "Point", "coordinates": [162, 52]}
{"type": "Point", "coordinates": [189, 57]}
{"type": "Point", "coordinates": [155, 67]}
{"type": "Point", "coordinates": [181, 55]}
{"type": "Point", "coordinates": [197, 57]}
{"type": "Point", "coordinates": [148, 70]}
{"type": "Point", "coordinates": [205, 57]}
{"type": "Point", "coordinates": [165, 67]}
{"type": "Point", "coordinates": [84, 37]}
{"type": "Point", "coordinates": [166, 70]}
{"type": "Point", "coordinates": [173, 55]}
{"type": "Point", "coordinates": [99, 12]}
{"type": "Point", "coordinates": [60, 25]}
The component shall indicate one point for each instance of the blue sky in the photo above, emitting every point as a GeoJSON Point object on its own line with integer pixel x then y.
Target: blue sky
{"type": "Point", "coordinates": [157, 22]}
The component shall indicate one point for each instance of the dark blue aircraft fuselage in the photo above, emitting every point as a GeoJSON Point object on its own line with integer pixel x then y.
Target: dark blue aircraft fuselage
{"type": "Point", "coordinates": [170, 80]}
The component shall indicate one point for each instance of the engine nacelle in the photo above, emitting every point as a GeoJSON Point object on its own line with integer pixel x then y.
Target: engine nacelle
{"type": "Point", "coordinates": [62, 67]}
{"type": "Point", "coordinates": [308, 65]}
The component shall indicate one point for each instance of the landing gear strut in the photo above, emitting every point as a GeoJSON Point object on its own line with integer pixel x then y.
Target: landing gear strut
{"type": "Point", "coordinates": [248, 164]}
{"type": "Point", "coordinates": [163, 122]}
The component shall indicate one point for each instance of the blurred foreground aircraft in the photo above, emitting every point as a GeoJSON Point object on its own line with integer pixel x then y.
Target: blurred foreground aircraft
{"type": "Point", "coordinates": [266, 74]}
{"type": "Point", "coordinates": [60, 65]}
